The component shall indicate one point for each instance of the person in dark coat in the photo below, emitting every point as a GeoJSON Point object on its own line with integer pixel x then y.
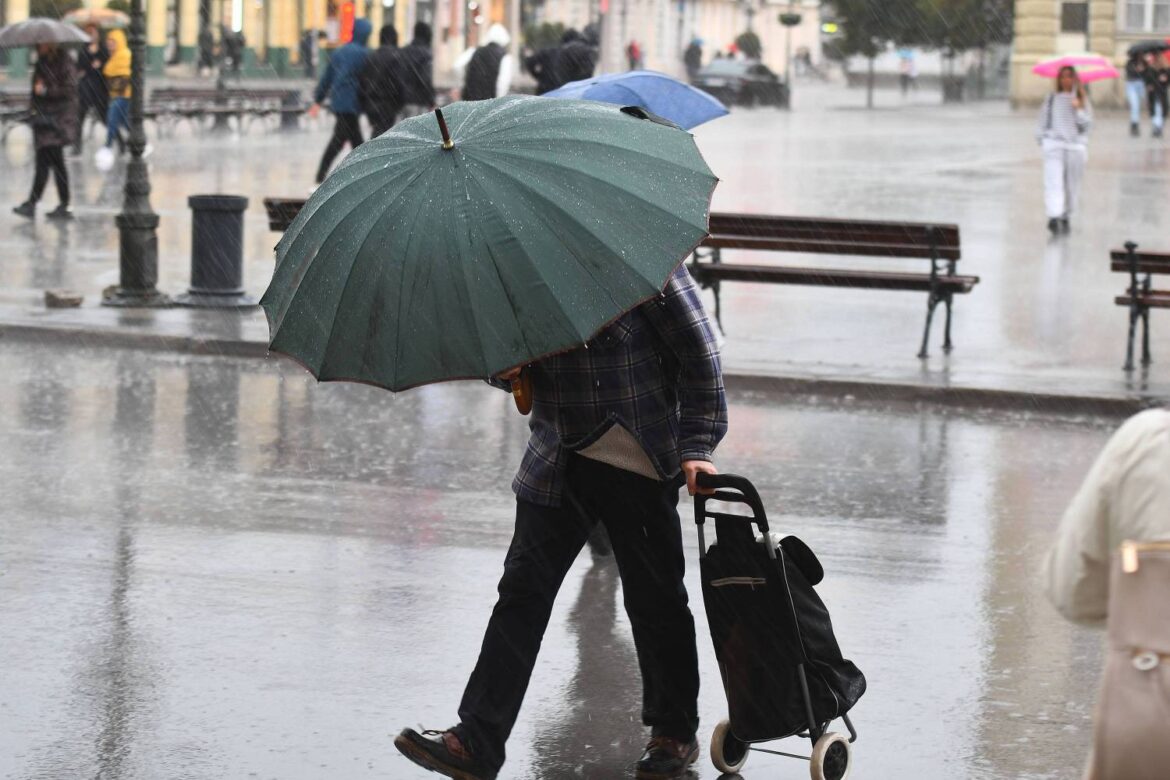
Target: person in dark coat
{"type": "Point", "coordinates": [693, 59]}
{"type": "Point", "coordinates": [418, 86]}
{"type": "Point", "coordinates": [341, 82]}
{"type": "Point", "coordinates": [543, 67]}
{"type": "Point", "coordinates": [206, 50]}
{"type": "Point", "coordinates": [576, 58]}
{"type": "Point", "coordinates": [54, 123]}
{"type": "Point", "coordinates": [381, 82]}
{"type": "Point", "coordinates": [487, 69]}
{"type": "Point", "coordinates": [91, 92]}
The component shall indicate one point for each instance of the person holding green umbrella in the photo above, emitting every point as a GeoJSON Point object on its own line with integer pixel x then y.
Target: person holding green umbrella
{"type": "Point", "coordinates": [541, 240]}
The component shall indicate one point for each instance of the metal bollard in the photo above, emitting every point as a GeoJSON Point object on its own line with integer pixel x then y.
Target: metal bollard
{"type": "Point", "coordinates": [217, 253]}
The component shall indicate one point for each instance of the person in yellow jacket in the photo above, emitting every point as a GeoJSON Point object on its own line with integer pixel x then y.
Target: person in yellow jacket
{"type": "Point", "coordinates": [117, 74]}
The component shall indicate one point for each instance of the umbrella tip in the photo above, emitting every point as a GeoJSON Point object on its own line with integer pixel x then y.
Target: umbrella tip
{"type": "Point", "coordinates": [448, 144]}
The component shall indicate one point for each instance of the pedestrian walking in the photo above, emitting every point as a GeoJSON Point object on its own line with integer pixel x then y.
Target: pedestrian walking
{"type": "Point", "coordinates": [543, 67]}
{"type": "Point", "coordinates": [117, 76]}
{"type": "Point", "coordinates": [308, 53]}
{"type": "Point", "coordinates": [1123, 504]}
{"type": "Point", "coordinates": [693, 59]}
{"type": "Point", "coordinates": [381, 83]}
{"type": "Point", "coordinates": [634, 55]}
{"type": "Point", "coordinates": [576, 58]}
{"type": "Point", "coordinates": [487, 70]}
{"type": "Point", "coordinates": [341, 84]}
{"type": "Point", "coordinates": [616, 456]}
{"type": "Point", "coordinates": [206, 50]}
{"type": "Point", "coordinates": [54, 124]}
{"type": "Point", "coordinates": [1159, 74]}
{"type": "Point", "coordinates": [1063, 133]}
{"type": "Point", "coordinates": [1135, 90]}
{"type": "Point", "coordinates": [91, 86]}
{"type": "Point", "coordinates": [418, 85]}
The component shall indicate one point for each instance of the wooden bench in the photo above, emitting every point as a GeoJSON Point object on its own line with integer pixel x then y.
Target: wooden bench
{"type": "Point", "coordinates": [1141, 296]}
{"type": "Point", "coordinates": [939, 244]}
{"type": "Point", "coordinates": [282, 211]}
{"type": "Point", "coordinates": [196, 103]}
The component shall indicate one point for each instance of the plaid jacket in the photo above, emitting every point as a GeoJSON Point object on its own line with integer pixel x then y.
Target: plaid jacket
{"type": "Point", "coordinates": [655, 371]}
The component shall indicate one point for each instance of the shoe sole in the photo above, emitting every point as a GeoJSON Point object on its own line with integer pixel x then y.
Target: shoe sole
{"type": "Point", "coordinates": [690, 761]}
{"type": "Point", "coordinates": [429, 762]}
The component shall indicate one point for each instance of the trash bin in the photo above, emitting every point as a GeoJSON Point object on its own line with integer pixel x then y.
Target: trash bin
{"type": "Point", "coordinates": [217, 253]}
{"type": "Point", "coordinates": [953, 89]}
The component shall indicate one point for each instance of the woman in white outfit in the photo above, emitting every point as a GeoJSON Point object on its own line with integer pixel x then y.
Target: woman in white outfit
{"type": "Point", "coordinates": [1063, 132]}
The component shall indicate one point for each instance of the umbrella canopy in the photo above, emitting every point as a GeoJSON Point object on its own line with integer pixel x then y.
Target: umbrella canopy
{"type": "Point", "coordinates": [1148, 47]}
{"type": "Point", "coordinates": [538, 222]}
{"type": "Point", "coordinates": [1090, 67]}
{"type": "Point", "coordinates": [105, 18]}
{"type": "Point", "coordinates": [34, 31]}
{"type": "Point", "coordinates": [656, 92]}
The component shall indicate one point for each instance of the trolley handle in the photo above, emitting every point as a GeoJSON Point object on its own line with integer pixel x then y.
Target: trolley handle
{"type": "Point", "coordinates": [733, 489]}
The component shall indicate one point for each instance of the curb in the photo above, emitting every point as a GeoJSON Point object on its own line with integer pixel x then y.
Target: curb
{"type": "Point", "coordinates": [869, 390]}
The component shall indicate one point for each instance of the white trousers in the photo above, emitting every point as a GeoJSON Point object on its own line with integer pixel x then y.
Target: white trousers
{"type": "Point", "coordinates": [1064, 167]}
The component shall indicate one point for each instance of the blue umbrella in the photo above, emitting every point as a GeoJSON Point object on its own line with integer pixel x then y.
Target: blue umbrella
{"type": "Point", "coordinates": [658, 93]}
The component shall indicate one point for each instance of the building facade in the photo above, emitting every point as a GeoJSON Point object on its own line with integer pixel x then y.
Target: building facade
{"type": "Point", "coordinates": [273, 30]}
{"type": "Point", "coordinates": [1047, 28]}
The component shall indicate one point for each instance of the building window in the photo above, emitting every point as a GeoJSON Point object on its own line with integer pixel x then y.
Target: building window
{"type": "Point", "coordinates": [1074, 17]}
{"type": "Point", "coordinates": [1147, 16]}
{"type": "Point", "coordinates": [1161, 15]}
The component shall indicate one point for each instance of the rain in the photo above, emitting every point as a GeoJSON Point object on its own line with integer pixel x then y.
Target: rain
{"type": "Point", "coordinates": [318, 318]}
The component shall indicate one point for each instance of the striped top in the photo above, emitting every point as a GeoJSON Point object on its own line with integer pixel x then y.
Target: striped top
{"type": "Point", "coordinates": [1059, 121]}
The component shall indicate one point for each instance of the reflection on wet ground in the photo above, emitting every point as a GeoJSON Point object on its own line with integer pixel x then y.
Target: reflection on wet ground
{"type": "Point", "coordinates": [216, 568]}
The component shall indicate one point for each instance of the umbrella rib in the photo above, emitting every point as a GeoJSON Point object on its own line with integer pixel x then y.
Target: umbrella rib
{"type": "Point", "coordinates": [701, 230]}
{"type": "Point", "coordinates": [349, 277]}
{"type": "Point", "coordinates": [582, 265]}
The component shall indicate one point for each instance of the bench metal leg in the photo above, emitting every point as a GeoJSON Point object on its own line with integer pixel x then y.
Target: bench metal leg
{"type": "Point", "coordinates": [1146, 360]}
{"type": "Point", "coordinates": [1133, 318]}
{"type": "Point", "coordinates": [947, 345]}
{"type": "Point", "coordinates": [931, 302]}
{"type": "Point", "coordinates": [718, 307]}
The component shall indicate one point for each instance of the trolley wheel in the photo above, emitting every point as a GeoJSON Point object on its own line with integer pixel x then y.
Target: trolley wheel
{"type": "Point", "coordinates": [832, 757]}
{"type": "Point", "coordinates": [728, 754]}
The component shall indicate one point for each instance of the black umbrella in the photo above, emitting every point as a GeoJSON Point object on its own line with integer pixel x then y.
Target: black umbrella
{"type": "Point", "coordinates": [32, 32]}
{"type": "Point", "coordinates": [1148, 47]}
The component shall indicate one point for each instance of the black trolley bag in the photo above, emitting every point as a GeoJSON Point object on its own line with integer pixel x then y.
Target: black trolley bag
{"type": "Point", "coordinates": [782, 669]}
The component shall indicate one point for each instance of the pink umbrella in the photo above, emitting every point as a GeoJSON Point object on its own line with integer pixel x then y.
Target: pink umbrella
{"type": "Point", "coordinates": [1090, 67]}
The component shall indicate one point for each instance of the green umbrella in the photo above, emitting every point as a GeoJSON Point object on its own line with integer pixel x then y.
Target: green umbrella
{"type": "Point", "coordinates": [523, 234]}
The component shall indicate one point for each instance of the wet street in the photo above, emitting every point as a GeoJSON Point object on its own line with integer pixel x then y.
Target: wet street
{"type": "Point", "coordinates": [216, 568]}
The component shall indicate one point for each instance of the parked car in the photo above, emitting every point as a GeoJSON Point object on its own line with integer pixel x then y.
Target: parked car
{"type": "Point", "coordinates": [742, 83]}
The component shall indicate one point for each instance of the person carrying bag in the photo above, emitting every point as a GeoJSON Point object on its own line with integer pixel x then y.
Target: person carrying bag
{"type": "Point", "coordinates": [1133, 713]}
{"type": "Point", "coordinates": [1112, 560]}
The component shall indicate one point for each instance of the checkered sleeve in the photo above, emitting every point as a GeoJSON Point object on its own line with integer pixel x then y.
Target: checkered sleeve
{"type": "Point", "coordinates": [682, 322]}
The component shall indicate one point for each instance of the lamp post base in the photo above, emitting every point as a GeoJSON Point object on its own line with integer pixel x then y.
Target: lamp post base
{"type": "Point", "coordinates": [122, 298]}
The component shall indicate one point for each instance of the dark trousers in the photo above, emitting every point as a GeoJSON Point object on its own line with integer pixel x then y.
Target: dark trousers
{"type": "Point", "coordinates": [642, 520]}
{"type": "Point", "coordinates": [90, 101]}
{"type": "Point", "coordinates": [347, 130]}
{"type": "Point", "coordinates": [50, 158]}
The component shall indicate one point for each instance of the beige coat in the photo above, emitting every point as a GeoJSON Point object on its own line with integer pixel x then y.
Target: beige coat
{"type": "Point", "coordinates": [1125, 496]}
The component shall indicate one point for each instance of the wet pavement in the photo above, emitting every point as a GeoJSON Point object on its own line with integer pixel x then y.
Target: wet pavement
{"type": "Point", "coordinates": [1041, 322]}
{"type": "Point", "coordinates": [214, 567]}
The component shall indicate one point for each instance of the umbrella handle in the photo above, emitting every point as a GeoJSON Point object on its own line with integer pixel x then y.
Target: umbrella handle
{"type": "Point", "coordinates": [448, 144]}
{"type": "Point", "coordinates": [522, 392]}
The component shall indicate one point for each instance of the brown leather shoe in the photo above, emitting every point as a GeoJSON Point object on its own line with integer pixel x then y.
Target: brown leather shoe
{"type": "Point", "coordinates": [666, 758]}
{"type": "Point", "coordinates": [442, 752]}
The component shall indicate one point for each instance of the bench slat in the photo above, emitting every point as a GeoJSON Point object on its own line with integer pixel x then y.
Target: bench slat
{"type": "Point", "coordinates": [1155, 299]}
{"type": "Point", "coordinates": [829, 246]}
{"type": "Point", "coordinates": [1148, 263]}
{"type": "Point", "coordinates": [828, 277]}
{"type": "Point", "coordinates": [920, 233]}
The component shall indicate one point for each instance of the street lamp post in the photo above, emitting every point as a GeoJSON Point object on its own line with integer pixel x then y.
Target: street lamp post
{"type": "Point", "coordinates": [137, 224]}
